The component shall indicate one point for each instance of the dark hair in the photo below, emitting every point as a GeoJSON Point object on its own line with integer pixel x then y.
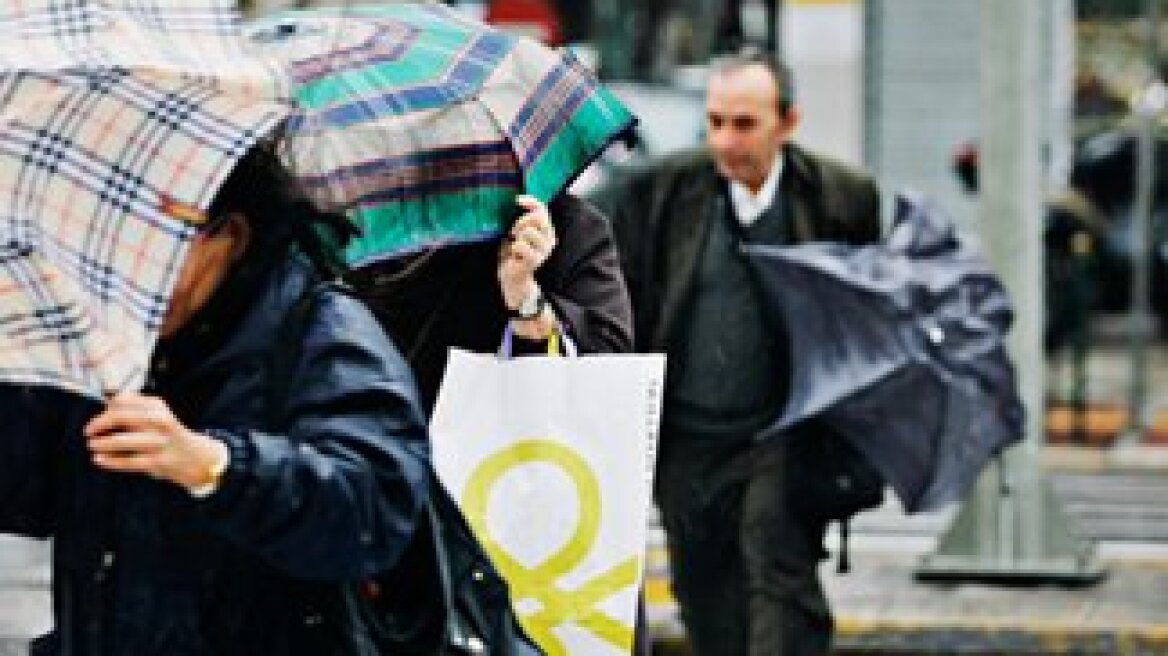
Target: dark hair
{"type": "Point", "coordinates": [261, 188]}
{"type": "Point", "coordinates": [755, 56]}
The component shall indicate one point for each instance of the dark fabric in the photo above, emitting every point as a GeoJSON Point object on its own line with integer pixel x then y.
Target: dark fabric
{"type": "Point", "coordinates": [443, 596]}
{"type": "Point", "coordinates": [36, 420]}
{"type": "Point", "coordinates": [743, 565]}
{"type": "Point", "coordinates": [936, 320]}
{"type": "Point", "coordinates": [660, 215]}
{"type": "Point", "coordinates": [143, 568]}
{"type": "Point", "coordinates": [723, 383]}
{"type": "Point", "coordinates": [450, 297]}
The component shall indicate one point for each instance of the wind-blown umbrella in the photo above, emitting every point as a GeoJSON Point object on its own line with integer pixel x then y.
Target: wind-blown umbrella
{"type": "Point", "coordinates": [899, 347]}
{"type": "Point", "coordinates": [423, 124]}
{"type": "Point", "coordinates": [118, 121]}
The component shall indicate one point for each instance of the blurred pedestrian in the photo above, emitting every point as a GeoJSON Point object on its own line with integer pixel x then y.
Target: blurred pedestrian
{"type": "Point", "coordinates": [556, 270]}
{"type": "Point", "coordinates": [205, 515]}
{"type": "Point", "coordinates": [743, 560]}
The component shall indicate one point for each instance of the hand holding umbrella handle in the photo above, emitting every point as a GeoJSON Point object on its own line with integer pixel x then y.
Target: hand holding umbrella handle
{"type": "Point", "coordinates": [525, 248]}
{"type": "Point", "coordinates": [140, 434]}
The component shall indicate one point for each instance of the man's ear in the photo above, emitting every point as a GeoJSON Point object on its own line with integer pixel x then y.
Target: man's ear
{"type": "Point", "coordinates": [791, 119]}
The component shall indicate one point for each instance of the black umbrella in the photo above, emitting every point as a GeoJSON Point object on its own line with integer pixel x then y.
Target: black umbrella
{"type": "Point", "coordinates": [899, 347]}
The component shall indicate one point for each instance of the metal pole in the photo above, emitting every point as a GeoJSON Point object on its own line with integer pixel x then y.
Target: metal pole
{"type": "Point", "coordinates": [1012, 530]}
{"type": "Point", "coordinates": [1140, 318]}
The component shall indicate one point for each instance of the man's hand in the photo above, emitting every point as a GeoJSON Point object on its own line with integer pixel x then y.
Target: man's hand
{"type": "Point", "coordinates": [139, 434]}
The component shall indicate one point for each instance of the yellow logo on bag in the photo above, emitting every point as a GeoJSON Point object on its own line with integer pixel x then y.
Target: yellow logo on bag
{"type": "Point", "coordinates": [557, 607]}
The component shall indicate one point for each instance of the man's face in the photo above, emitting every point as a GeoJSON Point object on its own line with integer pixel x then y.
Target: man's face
{"type": "Point", "coordinates": [743, 127]}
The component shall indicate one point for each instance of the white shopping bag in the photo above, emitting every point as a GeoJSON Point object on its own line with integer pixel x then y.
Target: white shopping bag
{"type": "Point", "coordinates": [551, 460]}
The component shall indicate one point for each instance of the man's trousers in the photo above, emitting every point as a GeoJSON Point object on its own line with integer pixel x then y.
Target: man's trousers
{"type": "Point", "coordinates": [743, 567]}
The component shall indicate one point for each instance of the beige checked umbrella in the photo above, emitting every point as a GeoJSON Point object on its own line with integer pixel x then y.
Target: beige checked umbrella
{"type": "Point", "coordinates": [118, 121]}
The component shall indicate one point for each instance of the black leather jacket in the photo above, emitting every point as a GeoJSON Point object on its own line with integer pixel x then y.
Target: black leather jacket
{"type": "Point", "coordinates": [141, 567]}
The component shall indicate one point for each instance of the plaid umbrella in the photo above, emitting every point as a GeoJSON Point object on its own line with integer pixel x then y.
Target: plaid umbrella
{"type": "Point", "coordinates": [118, 121]}
{"type": "Point", "coordinates": [423, 125]}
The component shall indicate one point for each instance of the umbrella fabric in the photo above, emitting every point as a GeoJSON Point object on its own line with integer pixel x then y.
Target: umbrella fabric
{"type": "Point", "coordinates": [118, 121]}
{"type": "Point", "coordinates": [423, 124]}
{"type": "Point", "coordinates": [899, 347]}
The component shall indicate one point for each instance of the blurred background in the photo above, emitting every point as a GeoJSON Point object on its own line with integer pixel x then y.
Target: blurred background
{"type": "Point", "coordinates": [894, 86]}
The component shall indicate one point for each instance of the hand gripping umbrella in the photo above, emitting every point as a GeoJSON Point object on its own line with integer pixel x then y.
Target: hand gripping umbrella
{"type": "Point", "coordinates": [899, 347]}
{"type": "Point", "coordinates": [118, 121]}
{"type": "Point", "coordinates": [422, 125]}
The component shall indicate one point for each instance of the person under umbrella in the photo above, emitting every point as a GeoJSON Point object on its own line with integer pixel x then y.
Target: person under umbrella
{"type": "Point", "coordinates": [451, 145]}
{"type": "Point", "coordinates": [192, 519]}
{"type": "Point", "coordinates": [118, 122]}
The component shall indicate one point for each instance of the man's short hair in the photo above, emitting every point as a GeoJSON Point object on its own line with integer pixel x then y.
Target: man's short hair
{"type": "Point", "coordinates": [754, 56]}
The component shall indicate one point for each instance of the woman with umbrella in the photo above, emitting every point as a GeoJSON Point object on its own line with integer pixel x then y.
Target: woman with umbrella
{"type": "Point", "coordinates": [205, 514]}
{"type": "Point", "coordinates": [536, 281]}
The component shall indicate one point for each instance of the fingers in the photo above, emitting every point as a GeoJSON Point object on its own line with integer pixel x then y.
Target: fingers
{"type": "Point", "coordinates": [134, 434]}
{"type": "Point", "coordinates": [522, 252]}
{"type": "Point", "coordinates": [130, 412]}
{"type": "Point", "coordinates": [125, 442]}
{"type": "Point", "coordinates": [128, 463]}
{"type": "Point", "coordinates": [532, 237]}
{"type": "Point", "coordinates": [142, 453]}
{"type": "Point", "coordinates": [535, 215]}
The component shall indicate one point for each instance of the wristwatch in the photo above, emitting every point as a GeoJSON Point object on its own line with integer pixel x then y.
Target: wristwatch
{"type": "Point", "coordinates": [531, 306]}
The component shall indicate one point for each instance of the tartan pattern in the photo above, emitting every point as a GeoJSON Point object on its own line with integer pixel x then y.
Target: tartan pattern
{"type": "Point", "coordinates": [107, 156]}
{"type": "Point", "coordinates": [423, 125]}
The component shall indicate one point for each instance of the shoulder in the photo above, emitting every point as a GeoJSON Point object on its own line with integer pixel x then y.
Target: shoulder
{"type": "Point", "coordinates": [821, 170]}
{"type": "Point", "coordinates": [674, 168]}
{"type": "Point", "coordinates": [685, 164]}
{"type": "Point", "coordinates": [573, 215]}
{"type": "Point", "coordinates": [334, 314]}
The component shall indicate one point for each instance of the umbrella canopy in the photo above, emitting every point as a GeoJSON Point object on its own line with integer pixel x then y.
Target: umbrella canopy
{"type": "Point", "coordinates": [118, 122]}
{"type": "Point", "coordinates": [899, 347]}
{"type": "Point", "coordinates": [423, 125]}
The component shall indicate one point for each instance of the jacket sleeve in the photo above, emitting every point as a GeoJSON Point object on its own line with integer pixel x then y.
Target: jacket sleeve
{"type": "Point", "coordinates": [583, 280]}
{"type": "Point", "coordinates": [338, 495]}
{"type": "Point", "coordinates": [628, 205]}
{"type": "Point", "coordinates": [38, 423]}
{"type": "Point", "coordinates": [867, 212]}
{"type": "Point", "coordinates": [859, 206]}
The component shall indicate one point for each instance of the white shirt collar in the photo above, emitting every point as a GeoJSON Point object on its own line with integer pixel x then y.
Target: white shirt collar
{"type": "Point", "coordinates": [747, 206]}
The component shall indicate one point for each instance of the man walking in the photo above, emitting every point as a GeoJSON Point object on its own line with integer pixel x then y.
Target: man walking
{"type": "Point", "coordinates": [743, 561]}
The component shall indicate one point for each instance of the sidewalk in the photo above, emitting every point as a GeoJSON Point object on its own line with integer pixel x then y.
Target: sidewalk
{"type": "Point", "coordinates": [1118, 500]}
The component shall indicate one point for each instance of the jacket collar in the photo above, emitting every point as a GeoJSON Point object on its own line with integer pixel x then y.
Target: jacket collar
{"type": "Point", "coordinates": [699, 196]}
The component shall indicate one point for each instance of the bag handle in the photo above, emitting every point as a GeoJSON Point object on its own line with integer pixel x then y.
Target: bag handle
{"type": "Point", "coordinates": [558, 343]}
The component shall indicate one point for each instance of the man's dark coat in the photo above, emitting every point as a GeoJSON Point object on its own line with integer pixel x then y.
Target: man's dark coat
{"type": "Point", "coordinates": [663, 216]}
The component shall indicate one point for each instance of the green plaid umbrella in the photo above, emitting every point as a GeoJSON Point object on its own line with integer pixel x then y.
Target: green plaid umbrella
{"type": "Point", "coordinates": [423, 125]}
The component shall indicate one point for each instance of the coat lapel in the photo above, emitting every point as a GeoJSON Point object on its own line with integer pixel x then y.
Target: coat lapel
{"type": "Point", "coordinates": [695, 205]}
{"type": "Point", "coordinates": [802, 191]}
